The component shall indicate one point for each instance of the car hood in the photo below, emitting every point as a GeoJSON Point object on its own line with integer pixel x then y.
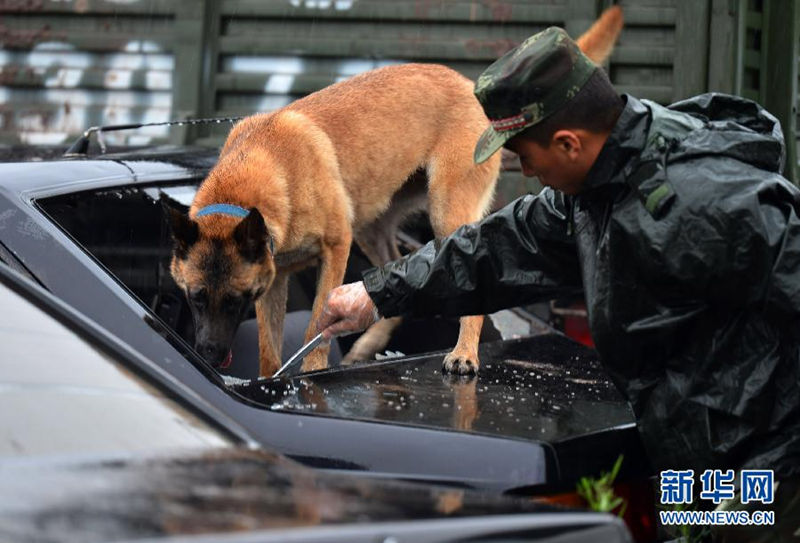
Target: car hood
{"type": "Point", "coordinates": [218, 492]}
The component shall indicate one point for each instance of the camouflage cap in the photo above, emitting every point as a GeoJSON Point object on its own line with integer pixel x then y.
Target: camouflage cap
{"type": "Point", "coordinates": [527, 84]}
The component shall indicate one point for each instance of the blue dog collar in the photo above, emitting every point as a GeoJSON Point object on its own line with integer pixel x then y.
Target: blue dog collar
{"type": "Point", "coordinates": [234, 211]}
{"type": "Point", "coordinates": [225, 209]}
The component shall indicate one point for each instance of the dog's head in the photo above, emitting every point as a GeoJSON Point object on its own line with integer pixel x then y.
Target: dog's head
{"type": "Point", "coordinates": [223, 264]}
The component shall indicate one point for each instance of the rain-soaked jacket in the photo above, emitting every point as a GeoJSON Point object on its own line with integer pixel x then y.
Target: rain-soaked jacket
{"type": "Point", "coordinates": [686, 245]}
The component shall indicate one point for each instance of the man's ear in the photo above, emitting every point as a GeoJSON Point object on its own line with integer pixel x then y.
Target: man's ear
{"type": "Point", "coordinates": [184, 230]}
{"type": "Point", "coordinates": [252, 237]}
{"type": "Point", "coordinates": [568, 142]}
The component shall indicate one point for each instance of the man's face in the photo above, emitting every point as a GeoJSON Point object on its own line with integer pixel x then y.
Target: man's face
{"type": "Point", "coordinates": [561, 165]}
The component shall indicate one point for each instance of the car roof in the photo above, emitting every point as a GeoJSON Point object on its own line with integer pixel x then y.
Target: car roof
{"type": "Point", "coordinates": [58, 174]}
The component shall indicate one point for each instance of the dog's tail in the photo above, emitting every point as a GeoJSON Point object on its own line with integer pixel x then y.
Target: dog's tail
{"type": "Point", "coordinates": [598, 42]}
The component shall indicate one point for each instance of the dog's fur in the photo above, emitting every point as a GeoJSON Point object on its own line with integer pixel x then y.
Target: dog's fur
{"type": "Point", "coordinates": [346, 163]}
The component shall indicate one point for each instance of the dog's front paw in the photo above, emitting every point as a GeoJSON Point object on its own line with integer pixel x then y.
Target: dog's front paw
{"type": "Point", "coordinates": [316, 360]}
{"type": "Point", "coordinates": [461, 363]}
{"type": "Point", "coordinates": [268, 366]}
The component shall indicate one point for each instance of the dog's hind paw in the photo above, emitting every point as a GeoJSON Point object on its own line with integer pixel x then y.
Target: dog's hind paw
{"type": "Point", "coordinates": [460, 364]}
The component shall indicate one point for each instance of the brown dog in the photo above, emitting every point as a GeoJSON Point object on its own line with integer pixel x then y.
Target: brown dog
{"type": "Point", "coordinates": [295, 187]}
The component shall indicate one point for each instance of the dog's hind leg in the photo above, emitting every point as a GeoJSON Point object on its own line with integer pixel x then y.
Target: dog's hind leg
{"type": "Point", "coordinates": [460, 192]}
{"type": "Point", "coordinates": [378, 248]}
{"type": "Point", "coordinates": [374, 340]}
{"type": "Point", "coordinates": [379, 243]}
{"type": "Point", "coordinates": [270, 312]}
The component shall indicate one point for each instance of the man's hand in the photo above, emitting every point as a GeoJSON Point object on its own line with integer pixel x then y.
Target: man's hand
{"type": "Point", "coordinates": [348, 309]}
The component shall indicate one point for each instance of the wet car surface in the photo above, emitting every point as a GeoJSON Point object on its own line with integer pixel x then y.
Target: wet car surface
{"type": "Point", "coordinates": [540, 387]}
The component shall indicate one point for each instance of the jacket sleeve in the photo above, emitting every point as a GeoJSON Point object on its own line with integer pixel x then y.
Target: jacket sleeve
{"type": "Point", "coordinates": [520, 254]}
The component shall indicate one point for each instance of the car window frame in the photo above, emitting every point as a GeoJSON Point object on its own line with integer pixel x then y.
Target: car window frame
{"type": "Point", "coordinates": [150, 317]}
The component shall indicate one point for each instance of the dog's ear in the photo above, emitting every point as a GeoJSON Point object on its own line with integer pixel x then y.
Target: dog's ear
{"type": "Point", "coordinates": [252, 237]}
{"type": "Point", "coordinates": [169, 202]}
{"type": "Point", "coordinates": [184, 230]}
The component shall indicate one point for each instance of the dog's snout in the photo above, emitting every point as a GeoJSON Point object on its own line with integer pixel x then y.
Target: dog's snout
{"type": "Point", "coordinates": [206, 350]}
{"type": "Point", "coordinates": [212, 353]}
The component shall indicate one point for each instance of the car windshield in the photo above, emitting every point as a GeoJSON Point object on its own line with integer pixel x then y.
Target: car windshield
{"type": "Point", "coordinates": [61, 395]}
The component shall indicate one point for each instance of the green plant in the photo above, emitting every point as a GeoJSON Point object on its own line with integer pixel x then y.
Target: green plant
{"type": "Point", "coordinates": [599, 492]}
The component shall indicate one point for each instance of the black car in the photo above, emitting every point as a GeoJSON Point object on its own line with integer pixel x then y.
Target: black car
{"type": "Point", "coordinates": [540, 414]}
{"type": "Point", "coordinates": [100, 444]}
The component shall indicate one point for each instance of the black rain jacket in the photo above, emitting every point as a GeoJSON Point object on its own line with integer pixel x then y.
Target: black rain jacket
{"type": "Point", "coordinates": [686, 245]}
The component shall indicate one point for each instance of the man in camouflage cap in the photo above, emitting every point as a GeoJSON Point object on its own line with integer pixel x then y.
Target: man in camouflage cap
{"type": "Point", "coordinates": [675, 226]}
{"type": "Point", "coordinates": [528, 84]}
{"type": "Point", "coordinates": [547, 92]}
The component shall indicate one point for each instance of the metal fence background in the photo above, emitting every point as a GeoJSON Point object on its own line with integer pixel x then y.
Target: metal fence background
{"type": "Point", "coordinates": [66, 65]}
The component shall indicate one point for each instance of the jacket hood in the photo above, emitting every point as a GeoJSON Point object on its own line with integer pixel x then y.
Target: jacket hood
{"type": "Point", "coordinates": [737, 128]}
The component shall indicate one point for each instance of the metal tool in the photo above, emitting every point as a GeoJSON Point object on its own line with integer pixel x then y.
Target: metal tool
{"type": "Point", "coordinates": [300, 355]}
